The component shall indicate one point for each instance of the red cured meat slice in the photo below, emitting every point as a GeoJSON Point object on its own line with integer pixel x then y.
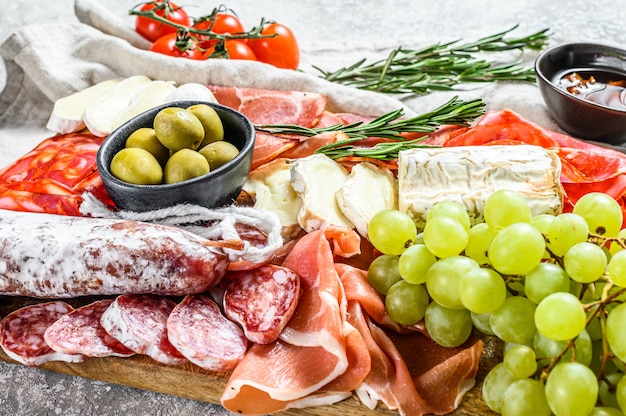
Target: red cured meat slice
{"type": "Point", "coordinates": [261, 300]}
{"type": "Point", "coordinates": [80, 332]}
{"type": "Point", "coordinates": [197, 328]}
{"type": "Point", "coordinates": [140, 323]}
{"type": "Point", "coordinates": [22, 334]}
{"type": "Point", "coordinates": [272, 106]}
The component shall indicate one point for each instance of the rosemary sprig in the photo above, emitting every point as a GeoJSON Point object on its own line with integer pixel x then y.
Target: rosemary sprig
{"type": "Point", "coordinates": [440, 66]}
{"type": "Point", "coordinates": [388, 126]}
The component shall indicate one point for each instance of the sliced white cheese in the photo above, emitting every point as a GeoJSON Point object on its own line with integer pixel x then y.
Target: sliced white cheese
{"type": "Point", "coordinates": [271, 186]}
{"type": "Point", "coordinates": [102, 115]}
{"type": "Point", "coordinates": [67, 114]}
{"type": "Point", "coordinates": [316, 179]}
{"type": "Point", "coordinates": [149, 96]}
{"type": "Point", "coordinates": [368, 190]}
{"type": "Point", "coordinates": [469, 174]}
{"type": "Point", "coordinates": [191, 91]}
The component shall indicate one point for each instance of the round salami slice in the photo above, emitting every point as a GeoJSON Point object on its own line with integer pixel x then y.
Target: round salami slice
{"type": "Point", "coordinates": [140, 323]}
{"type": "Point", "coordinates": [197, 328]}
{"type": "Point", "coordinates": [80, 332]}
{"type": "Point", "coordinates": [261, 300]}
{"type": "Point", "coordinates": [22, 334]}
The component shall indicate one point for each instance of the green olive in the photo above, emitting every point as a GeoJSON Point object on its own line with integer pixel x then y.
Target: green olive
{"type": "Point", "coordinates": [137, 166]}
{"type": "Point", "coordinates": [219, 153]}
{"type": "Point", "coordinates": [177, 128]}
{"type": "Point", "coordinates": [185, 164]}
{"type": "Point", "coordinates": [145, 138]}
{"type": "Point", "coordinates": [213, 127]}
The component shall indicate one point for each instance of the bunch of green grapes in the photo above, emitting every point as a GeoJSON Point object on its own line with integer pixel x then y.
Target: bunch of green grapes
{"type": "Point", "coordinates": [551, 287]}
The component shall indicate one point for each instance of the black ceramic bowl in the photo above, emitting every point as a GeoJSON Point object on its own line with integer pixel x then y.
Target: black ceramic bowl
{"type": "Point", "coordinates": [577, 116]}
{"type": "Point", "coordinates": [217, 188]}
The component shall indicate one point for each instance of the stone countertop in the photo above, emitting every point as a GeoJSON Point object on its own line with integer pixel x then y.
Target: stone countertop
{"type": "Point", "coordinates": [324, 28]}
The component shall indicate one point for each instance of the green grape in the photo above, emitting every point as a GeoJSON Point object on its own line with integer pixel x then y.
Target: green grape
{"type": "Point", "coordinates": [444, 277]}
{"type": "Point", "coordinates": [615, 333]}
{"type": "Point", "coordinates": [571, 389]}
{"type": "Point", "coordinates": [506, 207]}
{"type": "Point", "coordinates": [560, 316]}
{"type": "Point", "coordinates": [481, 322]}
{"type": "Point", "coordinates": [482, 290]}
{"type": "Point", "coordinates": [478, 240]}
{"type": "Point", "coordinates": [514, 320]}
{"type": "Point", "coordinates": [584, 262]}
{"type": "Point", "coordinates": [606, 391]}
{"type": "Point", "coordinates": [391, 231]}
{"type": "Point", "coordinates": [605, 411]}
{"type": "Point", "coordinates": [406, 303]}
{"type": "Point", "coordinates": [445, 236]}
{"type": "Point", "coordinates": [520, 360]}
{"type": "Point", "coordinates": [545, 279]}
{"type": "Point", "coordinates": [542, 222]}
{"type": "Point", "coordinates": [525, 397]}
{"type": "Point", "coordinates": [546, 349]}
{"type": "Point", "coordinates": [495, 384]}
{"type": "Point", "coordinates": [616, 246]}
{"type": "Point", "coordinates": [617, 268]}
{"type": "Point", "coordinates": [415, 262]}
{"type": "Point", "coordinates": [450, 209]}
{"type": "Point", "coordinates": [620, 393]}
{"type": "Point", "coordinates": [447, 327]}
{"type": "Point", "coordinates": [565, 231]}
{"type": "Point", "coordinates": [383, 273]}
{"type": "Point", "coordinates": [596, 362]}
{"type": "Point", "coordinates": [516, 249]}
{"type": "Point", "coordinates": [602, 213]}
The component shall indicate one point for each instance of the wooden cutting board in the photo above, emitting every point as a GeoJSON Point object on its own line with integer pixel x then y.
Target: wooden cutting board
{"type": "Point", "coordinates": [192, 382]}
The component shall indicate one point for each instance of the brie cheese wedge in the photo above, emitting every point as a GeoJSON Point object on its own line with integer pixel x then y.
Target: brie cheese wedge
{"type": "Point", "coordinates": [368, 190]}
{"type": "Point", "coordinates": [469, 174]}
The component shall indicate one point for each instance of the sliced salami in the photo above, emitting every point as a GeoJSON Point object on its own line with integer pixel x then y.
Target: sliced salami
{"type": "Point", "coordinates": [22, 334]}
{"type": "Point", "coordinates": [80, 332]}
{"type": "Point", "coordinates": [140, 323]}
{"type": "Point", "coordinates": [197, 328]}
{"type": "Point", "coordinates": [261, 300]}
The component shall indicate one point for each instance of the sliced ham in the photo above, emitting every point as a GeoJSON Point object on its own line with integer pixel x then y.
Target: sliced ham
{"type": "Point", "coordinates": [22, 334]}
{"type": "Point", "coordinates": [197, 328]}
{"type": "Point", "coordinates": [80, 332]}
{"type": "Point", "coordinates": [140, 323]}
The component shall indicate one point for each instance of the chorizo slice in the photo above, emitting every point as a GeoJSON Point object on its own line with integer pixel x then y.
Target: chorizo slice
{"type": "Point", "coordinates": [199, 330]}
{"type": "Point", "coordinates": [261, 300]}
{"type": "Point", "coordinates": [140, 323]}
{"type": "Point", "coordinates": [80, 332]}
{"type": "Point", "coordinates": [22, 334]}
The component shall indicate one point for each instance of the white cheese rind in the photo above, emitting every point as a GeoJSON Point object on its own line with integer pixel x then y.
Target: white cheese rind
{"type": "Point", "coordinates": [191, 91]}
{"type": "Point", "coordinates": [271, 186]}
{"type": "Point", "coordinates": [469, 174]}
{"type": "Point", "coordinates": [149, 96]}
{"type": "Point", "coordinates": [67, 113]}
{"type": "Point", "coordinates": [316, 179]}
{"type": "Point", "coordinates": [368, 190]}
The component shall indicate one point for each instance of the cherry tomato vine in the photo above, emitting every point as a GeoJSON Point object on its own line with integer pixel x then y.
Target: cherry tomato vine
{"type": "Point", "coordinates": [219, 34]}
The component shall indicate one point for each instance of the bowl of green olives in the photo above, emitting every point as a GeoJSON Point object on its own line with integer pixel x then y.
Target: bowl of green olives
{"type": "Point", "coordinates": [183, 152]}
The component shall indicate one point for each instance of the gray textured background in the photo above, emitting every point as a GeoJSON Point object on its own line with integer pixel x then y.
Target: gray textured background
{"type": "Point", "coordinates": [324, 28]}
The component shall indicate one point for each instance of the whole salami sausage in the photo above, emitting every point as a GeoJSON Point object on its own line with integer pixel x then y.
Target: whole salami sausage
{"type": "Point", "coordinates": [55, 256]}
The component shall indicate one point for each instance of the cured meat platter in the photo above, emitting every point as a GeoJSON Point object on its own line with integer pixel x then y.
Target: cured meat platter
{"type": "Point", "coordinates": [192, 382]}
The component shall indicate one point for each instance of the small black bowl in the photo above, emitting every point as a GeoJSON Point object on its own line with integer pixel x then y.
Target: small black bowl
{"type": "Point", "coordinates": [215, 189]}
{"type": "Point", "coordinates": [577, 116]}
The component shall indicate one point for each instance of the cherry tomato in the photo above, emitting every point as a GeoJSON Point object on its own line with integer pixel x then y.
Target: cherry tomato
{"type": "Point", "coordinates": [169, 45]}
{"type": "Point", "coordinates": [224, 23]}
{"type": "Point", "coordinates": [236, 50]}
{"type": "Point", "coordinates": [153, 30]}
{"type": "Point", "coordinates": [281, 50]}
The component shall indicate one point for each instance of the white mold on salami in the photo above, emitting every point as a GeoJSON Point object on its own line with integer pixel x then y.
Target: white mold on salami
{"type": "Point", "coordinates": [261, 300]}
{"type": "Point", "coordinates": [22, 334]}
{"type": "Point", "coordinates": [139, 322]}
{"type": "Point", "coordinates": [54, 256]}
{"type": "Point", "coordinates": [80, 332]}
{"type": "Point", "coordinates": [197, 328]}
